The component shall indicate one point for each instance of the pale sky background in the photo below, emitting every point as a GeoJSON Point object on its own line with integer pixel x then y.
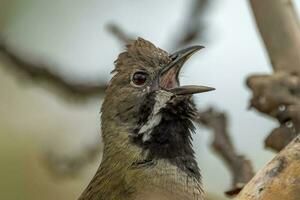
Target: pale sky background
{"type": "Point", "coordinates": [71, 35]}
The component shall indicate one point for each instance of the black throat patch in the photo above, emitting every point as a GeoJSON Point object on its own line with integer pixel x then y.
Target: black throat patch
{"type": "Point", "coordinates": [171, 139]}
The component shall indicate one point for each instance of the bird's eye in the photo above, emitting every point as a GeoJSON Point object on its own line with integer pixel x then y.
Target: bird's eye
{"type": "Point", "coordinates": [139, 78]}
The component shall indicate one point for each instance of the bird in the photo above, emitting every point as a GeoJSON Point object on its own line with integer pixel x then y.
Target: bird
{"type": "Point", "coordinates": [147, 126]}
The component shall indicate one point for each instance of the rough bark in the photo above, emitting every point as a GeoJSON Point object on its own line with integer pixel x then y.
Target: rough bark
{"type": "Point", "coordinates": [279, 179]}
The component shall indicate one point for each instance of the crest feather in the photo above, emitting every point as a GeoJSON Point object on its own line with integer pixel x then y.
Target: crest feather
{"type": "Point", "coordinates": [141, 51]}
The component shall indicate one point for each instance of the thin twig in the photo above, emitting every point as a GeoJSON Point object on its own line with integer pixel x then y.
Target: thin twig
{"type": "Point", "coordinates": [194, 25]}
{"type": "Point", "coordinates": [116, 31]}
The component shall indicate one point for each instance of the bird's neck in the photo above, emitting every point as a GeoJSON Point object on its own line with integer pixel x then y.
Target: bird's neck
{"type": "Point", "coordinates": [109, 182]}
{"type": "Point", "coordinates": [133, 167]}
{"type": "Point", "coordinates": [147, 172]}
{"type": "Point", "coordinates": [168, 139]}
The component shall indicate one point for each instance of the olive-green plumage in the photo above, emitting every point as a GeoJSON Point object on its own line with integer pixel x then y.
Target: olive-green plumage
{"type": "Point", "coordinates": [144, 158]}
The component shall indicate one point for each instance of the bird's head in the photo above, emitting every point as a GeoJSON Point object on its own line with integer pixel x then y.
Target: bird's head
{"type": "Point", "coordinates": [145, 90]}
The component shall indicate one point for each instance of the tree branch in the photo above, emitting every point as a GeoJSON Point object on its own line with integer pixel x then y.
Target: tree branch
{"type": "Point", "coordinates": [278, 25]}
{"type": "Point", "coordinates": [240, 168]}
{"type": "Point", "coordinates": [275, 94]}
{"type": "Point", "coordinates": [279, 179]}
{"type": "Point", "coordinates": [42, 74]}
{"type": "Point", "coordinates": [278, 96]}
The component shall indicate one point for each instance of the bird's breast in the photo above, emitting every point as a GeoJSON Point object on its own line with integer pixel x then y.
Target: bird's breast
{"type": "Point", "coordinates": [164, 181]}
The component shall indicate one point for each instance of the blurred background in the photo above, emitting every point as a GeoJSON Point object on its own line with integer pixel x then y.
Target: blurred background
{"type": "Point", "coordinates": [50, 142]}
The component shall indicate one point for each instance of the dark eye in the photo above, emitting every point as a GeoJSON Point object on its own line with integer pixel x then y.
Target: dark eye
{"type": "Point", "coordinates": [139, 78]}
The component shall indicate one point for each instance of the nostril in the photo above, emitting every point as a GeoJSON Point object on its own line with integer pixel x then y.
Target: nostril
{"type": "Point", "coordinates": [173, 56]}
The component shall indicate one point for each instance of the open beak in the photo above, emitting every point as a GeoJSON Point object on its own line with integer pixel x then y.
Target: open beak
{"type": "Point", "coordinates": [169, 80]}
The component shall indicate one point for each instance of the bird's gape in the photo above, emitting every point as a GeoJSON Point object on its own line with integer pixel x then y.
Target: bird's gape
{"type": "Point", "coordinates": [168, 76]}
{"type": "Point", "coordinates": [170, 79]}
